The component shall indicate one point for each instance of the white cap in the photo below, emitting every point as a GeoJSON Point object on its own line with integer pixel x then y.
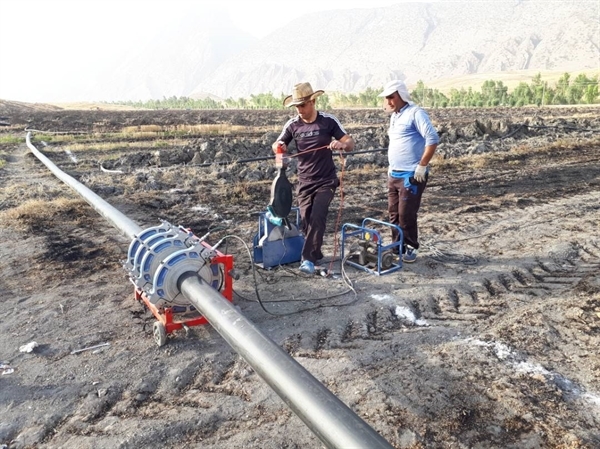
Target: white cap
{"type": "Point", "coordinates": [396, 86]}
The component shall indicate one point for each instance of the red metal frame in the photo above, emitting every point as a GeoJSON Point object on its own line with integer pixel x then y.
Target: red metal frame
{"type": "Point", "coordinates": [170, 319]}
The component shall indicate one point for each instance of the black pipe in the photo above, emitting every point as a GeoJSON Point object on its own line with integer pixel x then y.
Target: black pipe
{"type": "Point", "coordinates": [268, 158]}
{"type": "Point", "coordinates": [326, 416]}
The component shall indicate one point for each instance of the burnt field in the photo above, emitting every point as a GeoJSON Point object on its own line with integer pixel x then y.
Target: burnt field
{"type": "Point", "coordinates": [490, 340]}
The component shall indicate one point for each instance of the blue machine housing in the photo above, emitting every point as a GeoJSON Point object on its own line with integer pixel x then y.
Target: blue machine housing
{"type": "Point", "coordinates": [277, 245]}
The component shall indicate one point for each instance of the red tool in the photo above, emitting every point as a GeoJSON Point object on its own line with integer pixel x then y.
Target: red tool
{"type": "Point", "coordinates": [279, 162]}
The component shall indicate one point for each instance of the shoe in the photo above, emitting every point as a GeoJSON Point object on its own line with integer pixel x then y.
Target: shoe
{"type": "Point", "coordinates": [307, 267]}
{"type": "Point", "coordinates": [410, 255]}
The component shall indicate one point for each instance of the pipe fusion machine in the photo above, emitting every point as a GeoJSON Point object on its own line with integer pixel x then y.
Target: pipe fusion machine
{"type": "Point", "coordinates": [158, 257]}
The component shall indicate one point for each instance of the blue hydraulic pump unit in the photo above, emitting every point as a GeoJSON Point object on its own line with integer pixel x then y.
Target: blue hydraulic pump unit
{"type": "Point", "coordinates": [277, 245]}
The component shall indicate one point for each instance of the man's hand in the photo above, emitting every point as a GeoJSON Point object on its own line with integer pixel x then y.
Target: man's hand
{"type": "Point", "coordinates": [420, 173]}
{"type": "Point", "coordinates": [337, 145]}
{"type": "Point", "coordinates": [344, 144]}
{"type": "Point", "coordinates": [280, 144]}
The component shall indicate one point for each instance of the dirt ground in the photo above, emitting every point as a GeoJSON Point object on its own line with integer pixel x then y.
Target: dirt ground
{"type": "Point", "coordinates": [489, 340]}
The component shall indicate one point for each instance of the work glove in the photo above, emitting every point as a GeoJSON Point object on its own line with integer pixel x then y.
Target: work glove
{"type": "Point", "coordinates": [420, 173]}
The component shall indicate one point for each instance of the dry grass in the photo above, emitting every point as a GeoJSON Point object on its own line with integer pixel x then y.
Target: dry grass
{"type": "Point", "coordinates": [35, 212]}
{"type": "Point", "coordinates": [54, 138]}
{"type": "Point", "coordinates": [220, 129]}
{"type": "Point", "coordinates": [25, 192]}
{"type": "Point", "coordinates": [240, 192]}
{"type": "Point", "coordinates": [11, 139]}
{"type": "Point", "coordinates": [108, 146]}
{"type": "Point", "coordinates": [182, 177]}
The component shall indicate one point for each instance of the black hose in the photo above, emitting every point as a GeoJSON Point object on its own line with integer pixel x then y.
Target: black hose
{"type": "Point", "coordinates": [267, 158]}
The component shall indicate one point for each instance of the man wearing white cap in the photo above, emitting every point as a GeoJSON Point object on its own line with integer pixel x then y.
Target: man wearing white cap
{"type": "Point", "coordinates": [413, 141]}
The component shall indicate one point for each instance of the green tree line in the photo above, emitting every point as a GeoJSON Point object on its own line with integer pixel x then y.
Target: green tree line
{"type": "Point", "coordinates": [567, 90]}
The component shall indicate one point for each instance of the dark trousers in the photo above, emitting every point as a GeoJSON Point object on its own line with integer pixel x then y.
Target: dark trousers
{"type": "Point", "coordinates": [403, 206]}
{"type": "Point", "coordinates": [313, 202]}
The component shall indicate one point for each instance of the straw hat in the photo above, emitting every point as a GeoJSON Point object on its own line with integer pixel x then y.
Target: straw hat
{"type": "Point", "coordinates": [302, 93]}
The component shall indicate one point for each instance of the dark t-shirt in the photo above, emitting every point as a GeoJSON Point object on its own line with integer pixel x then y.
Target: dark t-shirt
{"type": "Point", "coordinates": [314, 166]}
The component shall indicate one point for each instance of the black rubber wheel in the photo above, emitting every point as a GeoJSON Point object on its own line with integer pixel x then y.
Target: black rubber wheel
{"type": "Point", "coordinates": [160, 333]}
{"type": "Point", "coordinates": [387, 260]}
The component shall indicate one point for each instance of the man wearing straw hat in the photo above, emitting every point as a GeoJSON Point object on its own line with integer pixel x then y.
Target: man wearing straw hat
{"type": "Point", "coordinates": [315, 133]}
{"type": "Point", "coordinates": [413, 141]}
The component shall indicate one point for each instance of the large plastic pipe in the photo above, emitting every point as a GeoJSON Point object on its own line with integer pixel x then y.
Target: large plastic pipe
{"type": "Point", "coordinates": [334, 423]}
{"type": "Point", "coordinates": [329, 418]}
{"type": "Point", "coordinates": [117, 219]}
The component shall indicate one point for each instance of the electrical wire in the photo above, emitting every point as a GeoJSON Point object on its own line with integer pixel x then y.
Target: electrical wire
{"type": "Point", "coordinates": [447, 256]}
{"type": "Point", "coordinates": [339, 215]}
{"type": "Point", "coordinates": [262, 302]}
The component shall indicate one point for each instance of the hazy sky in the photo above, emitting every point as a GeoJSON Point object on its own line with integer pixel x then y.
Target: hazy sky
{"type": "Point", "coordinates": [47, 44]}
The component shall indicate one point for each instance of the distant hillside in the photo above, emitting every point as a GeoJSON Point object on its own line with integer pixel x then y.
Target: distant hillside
{"type": "Point", "coordinates": [442, 43]}
{"type": "Point", "coordinates": [351, 50]}
{"type": "Point", "coordinates": [8, 108]}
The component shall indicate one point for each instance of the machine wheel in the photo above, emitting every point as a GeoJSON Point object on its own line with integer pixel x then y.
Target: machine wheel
{"type": "Point", "coordinates": [160, 333]}
{"type": "Point", "coordinates": [387, 260]}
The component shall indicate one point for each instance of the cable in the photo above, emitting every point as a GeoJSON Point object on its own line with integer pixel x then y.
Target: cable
{"type": "Point", "coordinates": [324, 147]}
{"type": "Point", "coordinates": [445, 256]}
{"type": "Point", "coordinates": [339, 215]}
{"type": "Point", "coordinates": [448, 257]}
{"type": "Point", "coordinates": [345, 278]}
{"type": "Point", "coordinates": [335, 295]}
{"type": "Point", "coordinates": [262, 303]}
{"type": "Point", "coordinates": [508, 228]}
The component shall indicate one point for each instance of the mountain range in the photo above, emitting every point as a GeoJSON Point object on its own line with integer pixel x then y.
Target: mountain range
{"type": "Point", "coordinates": [350, 50]}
